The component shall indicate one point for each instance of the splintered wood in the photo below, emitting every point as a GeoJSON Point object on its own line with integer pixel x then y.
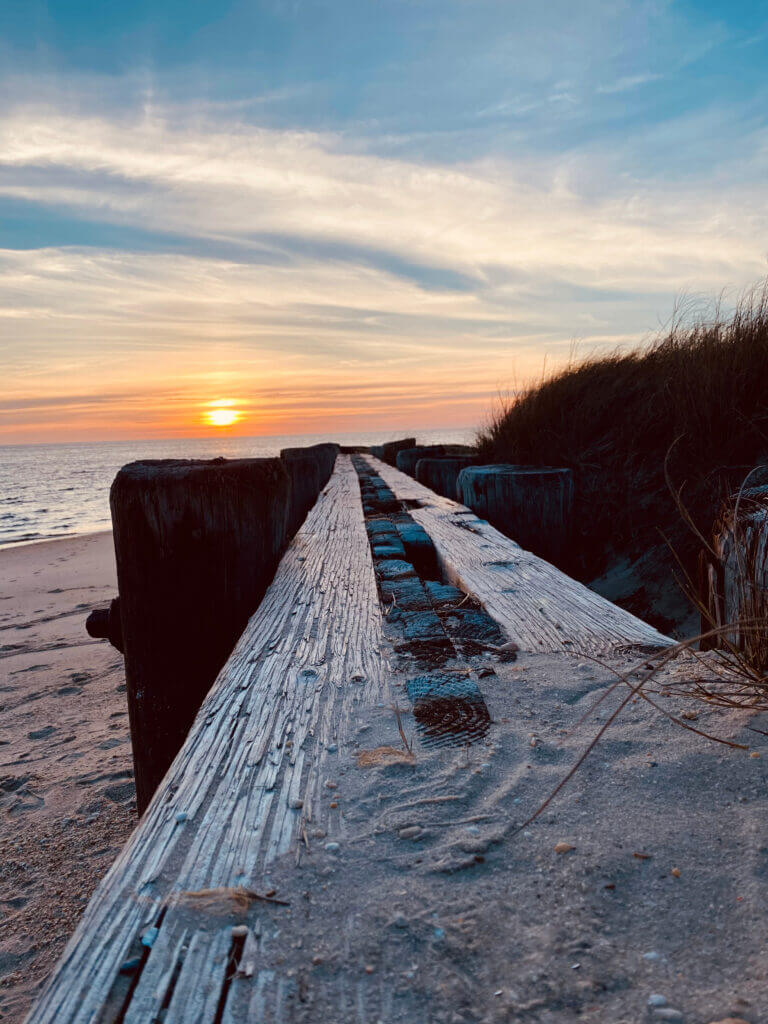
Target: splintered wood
{"type": "Point", "coordinates": [540, 607]}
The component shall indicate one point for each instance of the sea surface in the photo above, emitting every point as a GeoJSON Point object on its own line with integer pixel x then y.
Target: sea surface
{"type": "Point", "coordinates": [57, 490]}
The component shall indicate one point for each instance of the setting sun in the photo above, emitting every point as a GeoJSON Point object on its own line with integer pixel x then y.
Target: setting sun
{"type": "Point", "coordinates": [221, 414]}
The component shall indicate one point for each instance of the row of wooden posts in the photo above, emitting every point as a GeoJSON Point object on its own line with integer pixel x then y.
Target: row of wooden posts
{"type": "Point", "coordinates": [197, 544]}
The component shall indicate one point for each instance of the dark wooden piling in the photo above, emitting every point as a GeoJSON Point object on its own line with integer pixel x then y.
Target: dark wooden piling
{"type": "Point", "coordinates": [407, 458]}
{"type": "Point", "coordinates": [325, 454]}
{"type": "Point", "coordinates": [531, 504]}
{"type": "Point", "coordinates": [306, 474]}
{"type": "Point", "coordinates": [391, 448]}
{"type": "Point", "coordinates": [197, 544]}
{"type": "Point", "coordinates": [441, 474]}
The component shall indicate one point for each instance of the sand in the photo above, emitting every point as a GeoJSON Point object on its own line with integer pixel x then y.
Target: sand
{"type": "Point", "coordinates": [661, 892]}
{"type": "Point", "coordinates": [66, 780]}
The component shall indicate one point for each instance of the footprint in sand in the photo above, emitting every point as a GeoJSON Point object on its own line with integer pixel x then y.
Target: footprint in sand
{"type": "Point", "coordinates": [42, 734]}
{"type": "Point", "coordinates": [120, 793]}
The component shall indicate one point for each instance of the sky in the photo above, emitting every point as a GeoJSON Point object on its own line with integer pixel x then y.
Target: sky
{"type": "Point", "coordinates": [359, 214]}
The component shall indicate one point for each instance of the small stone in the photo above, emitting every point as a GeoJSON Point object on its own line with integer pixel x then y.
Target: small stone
{"type": "Point", "coordinates": [333, 804]}
{"type": "Point", "coordinates": [400, 921]}
{"type": "Point", "coordinates": [331, 748]}
{"type": "Point", "coordinates": [439, 934]}
{"type": "Point", "coordinates": [369, 968]}
{"type": "Point", "coordinates": [410, 832]}
{"type": "Point", "coordinates": [330, 785]}
{"type": "Point", "coordinates": [270, 892]}
{"type": "Point", "coordinates": [690, 716]}
{"type": "Point", "coordinates": [652, 955]}
{"type": "Point", "coordinates": [332, 847]}
{"type": "Point", "coordinates": [239, 931]}
{"type": "Point", "coordinates": [317, 959]}
{"type": "Point", "coordinates": [296, 805]}
{"type": "Point", "coordinates": [755, 753]}
{"type": "Point", "coordinates": [319, 833]}
{"type": "Point", "coordinates": [563, 847]}
{"type": "Point", "coordinates": [181, 816]}
{"type": "Point", "coordinates": [676, 872]}
{"type": "Point", "coordinates": [657, 1000]}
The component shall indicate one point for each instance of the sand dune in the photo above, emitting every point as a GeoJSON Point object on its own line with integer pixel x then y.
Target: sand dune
{"type": "Point", "coordinates": [66, 780]}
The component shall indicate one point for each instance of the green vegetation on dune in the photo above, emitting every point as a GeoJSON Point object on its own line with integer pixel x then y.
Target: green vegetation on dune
{"type": "Point", "coordinates": [696, 397]}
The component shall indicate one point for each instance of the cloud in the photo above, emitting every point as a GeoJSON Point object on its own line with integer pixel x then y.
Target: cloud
{"type": "Point", "coordinates": [224, 253]}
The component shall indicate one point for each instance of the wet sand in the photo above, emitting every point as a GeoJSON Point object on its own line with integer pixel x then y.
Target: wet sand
{"type": "Point", "coordinates": [66, 781]}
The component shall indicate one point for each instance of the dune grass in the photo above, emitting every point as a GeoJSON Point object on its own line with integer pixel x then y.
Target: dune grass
{"type": "Point", "coordinates": [695, 398]}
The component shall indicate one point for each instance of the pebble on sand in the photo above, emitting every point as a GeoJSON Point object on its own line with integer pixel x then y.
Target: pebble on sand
{"type": "Point", "coordinates": [410, 832]}
{"type": "Point", "coordinates": [563, 847]}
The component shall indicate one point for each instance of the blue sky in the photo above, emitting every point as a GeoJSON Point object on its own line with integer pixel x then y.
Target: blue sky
{"type": "Point", "coordinates": [351, 214]}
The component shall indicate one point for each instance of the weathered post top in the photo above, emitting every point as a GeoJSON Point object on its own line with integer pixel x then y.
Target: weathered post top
{"type": "Point", "coordinates": [533, 504]}
{"type": "Point", "coordinates": [197, 544]}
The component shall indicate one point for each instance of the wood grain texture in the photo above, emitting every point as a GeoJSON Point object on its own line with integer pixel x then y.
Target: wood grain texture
{"type": "Point", "coordinates": [197, 544]}
{"type": "Point", "coordinates": [242, 789]}
{"type": "Point", "coordinates": [540, 607]}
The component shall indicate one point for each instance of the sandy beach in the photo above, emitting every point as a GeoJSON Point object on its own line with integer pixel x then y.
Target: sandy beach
{"type": "Point", "coordinates": [66, 781]}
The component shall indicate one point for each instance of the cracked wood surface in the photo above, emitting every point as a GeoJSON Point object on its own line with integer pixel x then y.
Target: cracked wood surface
{"type": "Point", "coordinates": [540, 607]}
{"type": "Point", "coordinates": [246, 783]}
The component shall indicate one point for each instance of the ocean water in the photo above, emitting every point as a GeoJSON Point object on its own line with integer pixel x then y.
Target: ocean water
{"type": "Point", "coordinates": [57, 490]}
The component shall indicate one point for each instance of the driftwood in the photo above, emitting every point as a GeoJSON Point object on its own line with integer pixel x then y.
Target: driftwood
{"type": "Point", "coordinates": [197, 544]}
{"type": "Point", "coordinates": [532, 504]}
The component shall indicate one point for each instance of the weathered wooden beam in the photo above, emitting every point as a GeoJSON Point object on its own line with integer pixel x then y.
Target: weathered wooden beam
{"type": "Point", "coordinates": [197, 544]}
{"type": "Point", "coordinates": [537, 605]}
{"type": "Point", "coordinates": [441, 474]}
{"type": "Point", "coordinates": [532, 504]}
{"type": "Point", "coordinates": [250, 783]}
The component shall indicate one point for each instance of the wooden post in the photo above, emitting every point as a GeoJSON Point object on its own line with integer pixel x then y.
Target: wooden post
{"type": "Point", "coordinates": [531, 504]}
{"type": "Point", "coordinates": [305, 472]}
{"type": "Point", "coordinates": [325, 454]}
{"type": "Point", "coordinates": [197, 544]}
{"type": "Point", "coordinates": [391, 448]}
{"type": "Point", "coordinates": [441, 474]}
{"type": "Point", "coordinates": [735, 584]}
{"type": "Point", "coordinates": [408, 457]}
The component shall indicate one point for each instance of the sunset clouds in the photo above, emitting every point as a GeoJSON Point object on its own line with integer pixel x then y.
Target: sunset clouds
{"type": "Point", "coordinates": [155, 254]}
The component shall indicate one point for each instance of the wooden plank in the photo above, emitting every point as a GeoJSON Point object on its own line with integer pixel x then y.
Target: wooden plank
{"type": "Point", "coordinates": [245, 785]}
{"type": "Point", "coordinates": [540, 607]}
